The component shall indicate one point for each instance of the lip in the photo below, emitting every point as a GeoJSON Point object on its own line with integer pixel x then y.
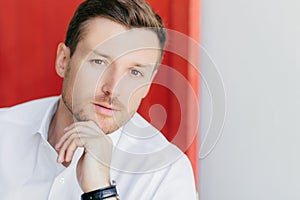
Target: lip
{"type": "Point", "coordinates": [103, 109]}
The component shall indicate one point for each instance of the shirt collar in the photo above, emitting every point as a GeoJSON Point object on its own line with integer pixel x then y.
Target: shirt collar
{"type": "Point", "coordinates": [45, 123]}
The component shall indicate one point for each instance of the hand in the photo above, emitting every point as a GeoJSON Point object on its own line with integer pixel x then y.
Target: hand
{"type": "Point", "coordinates": [93, 167]}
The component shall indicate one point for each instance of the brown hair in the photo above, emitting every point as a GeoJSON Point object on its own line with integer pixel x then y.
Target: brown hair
{"type": "Point", "coordinates": [130, 13]}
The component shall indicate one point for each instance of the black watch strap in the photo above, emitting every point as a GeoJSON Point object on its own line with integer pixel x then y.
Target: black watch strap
{"type": "Point", "coordinates": [102, 193]}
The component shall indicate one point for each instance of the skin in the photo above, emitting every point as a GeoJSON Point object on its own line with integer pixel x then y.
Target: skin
{"type": "Point", "coordinates": [105, 80]}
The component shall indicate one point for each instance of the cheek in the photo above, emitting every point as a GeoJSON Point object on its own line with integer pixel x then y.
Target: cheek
{"type": "Point", "coordinates": [85, 82]}
{"type": "Point", "coordinates": [131, 90]}
{"type": "Point", "coordinates": [136, 97]}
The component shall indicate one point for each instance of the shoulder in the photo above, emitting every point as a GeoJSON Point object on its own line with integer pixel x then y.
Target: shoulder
{"type": "Point", "coordinates": [154, 145]}
{"type": "Point", "coordinates": [24, 117]}
{"type": "Point", "coordinates": [177, 177]}
{"type": "Point", "coordinates": [31, 111]}
{"type": "Point", "coordinates": [143, 135]}
{"type": "Point", "coordinates": [167, 162]}
{"type": "Point", "coordinates": [147, 148]}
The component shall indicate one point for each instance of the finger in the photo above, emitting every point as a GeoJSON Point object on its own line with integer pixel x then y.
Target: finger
{"type": "Point", "coordinates": [63, 139]}
{"type": "Point", "coordinates": [74, 131]}
{"type": "Point", "coordinates": [95, 126]}
{"type": "Point", "coordinates": [65, 145]}
{"type": "Point", "coordinates": [76, 142]}
{"type": "Point", "coordinates": [75, 127]}
{"type": "Point", "coordinates": [88, 124]}
{"type": "Point", "coordinates": [69, 127]}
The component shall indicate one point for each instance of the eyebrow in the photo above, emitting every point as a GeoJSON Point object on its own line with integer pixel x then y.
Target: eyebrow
{"type": "Point", "coordinates": [102, 55]}
{"type": "Point", "coordinates": [110, 58]}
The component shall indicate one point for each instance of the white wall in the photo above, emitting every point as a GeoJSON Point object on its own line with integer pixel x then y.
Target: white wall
{"type": "Point", "coordinates": [255, 46]}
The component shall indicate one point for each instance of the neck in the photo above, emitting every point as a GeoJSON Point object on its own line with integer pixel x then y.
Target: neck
{"type": "Point", "coordinates": [61, 119]}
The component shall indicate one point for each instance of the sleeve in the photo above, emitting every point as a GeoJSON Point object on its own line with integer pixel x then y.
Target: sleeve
{"type": "Point", "coordinates": [178, 182]}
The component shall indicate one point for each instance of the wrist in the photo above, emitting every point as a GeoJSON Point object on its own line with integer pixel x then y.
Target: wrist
{"type": "Point", "coordinates": [105, 193]}
{"type": "Point", "coordinates": [99, 178]}
{"type": "Point", "coordinates": [94, 184]}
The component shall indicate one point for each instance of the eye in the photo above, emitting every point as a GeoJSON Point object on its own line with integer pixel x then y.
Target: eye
{"type": "Point", "coordinates": [136, 73]}
{"type": "Point", "coordinates": [98, 61]}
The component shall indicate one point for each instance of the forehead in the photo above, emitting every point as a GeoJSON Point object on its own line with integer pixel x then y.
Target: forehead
{"type": "Point", "coordinates": [108, 37]}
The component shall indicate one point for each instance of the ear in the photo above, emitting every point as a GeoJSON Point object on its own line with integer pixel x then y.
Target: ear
{"type": "Point", "coordinates": [62, 59]}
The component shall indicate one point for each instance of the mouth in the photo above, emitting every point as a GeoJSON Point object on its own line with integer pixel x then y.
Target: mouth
{"type": "Point", "coordinates": [105, 109]}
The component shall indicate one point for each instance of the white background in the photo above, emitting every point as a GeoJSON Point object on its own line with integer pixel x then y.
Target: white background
{"type": "Point", "coordinates": [255, 46]}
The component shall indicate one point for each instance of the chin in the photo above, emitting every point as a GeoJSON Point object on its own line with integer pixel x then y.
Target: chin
{"type": "Point", "coordinates": [107, 125]}
{"type": "Point", "coordinates": [111, 124]}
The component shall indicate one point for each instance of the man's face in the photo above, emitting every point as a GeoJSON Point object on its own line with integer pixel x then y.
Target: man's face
{"type": "Point", "coordinates": [109, 73]}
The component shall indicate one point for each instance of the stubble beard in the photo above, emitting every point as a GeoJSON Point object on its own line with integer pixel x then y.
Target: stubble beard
{"type": "Point", "coordinates": [77, 116]}
{"type": "Point", "coordinates": [106, 124]}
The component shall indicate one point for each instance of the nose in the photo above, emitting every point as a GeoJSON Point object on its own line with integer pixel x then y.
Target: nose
{"type": "Point", "coordinates": [109, 81]}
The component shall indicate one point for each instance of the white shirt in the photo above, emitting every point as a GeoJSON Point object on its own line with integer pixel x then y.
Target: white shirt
{"type": "Point", "coordinates": [145, 165]}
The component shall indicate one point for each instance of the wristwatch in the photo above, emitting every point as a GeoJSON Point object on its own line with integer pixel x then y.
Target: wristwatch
{"type": "Point", "coordinates": [102, 193]}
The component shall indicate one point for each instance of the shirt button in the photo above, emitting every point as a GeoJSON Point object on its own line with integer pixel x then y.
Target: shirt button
{"type": "Point", "coordinates": [62, 180]}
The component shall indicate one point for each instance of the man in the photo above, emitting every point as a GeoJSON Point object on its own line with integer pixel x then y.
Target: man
{"type": "Point", "coordinates": [90, 143]}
